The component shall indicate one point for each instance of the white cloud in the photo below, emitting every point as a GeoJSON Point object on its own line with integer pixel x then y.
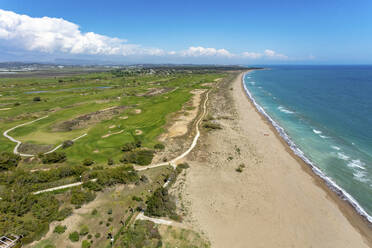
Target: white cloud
{"type": "Point", "coordinates": [58, 35]}
{"type": "Point", "coordinates": [252, 55]}
{"type": "Point", "coordinates": [274, 55]}
{"type": "Point", "coordinates": [202, 51]}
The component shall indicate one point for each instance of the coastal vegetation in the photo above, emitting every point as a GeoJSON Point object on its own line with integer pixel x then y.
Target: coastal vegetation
{"type": "Point", "coordinates": [76, 130]}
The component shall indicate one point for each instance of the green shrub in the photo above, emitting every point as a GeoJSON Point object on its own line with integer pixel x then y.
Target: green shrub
{"type": "Point", "coordinates": [92, 186]}
{"type": "Point", "coordinates": [50, 246]}
{"type": "Point", "coordinates": [79, 197]}
{"type": "Point", "coordinates": [142, 234]}
{"type": "Point", "coordinates": [110, 161]}
{"type": "Point", "coordinates": [8, 160]}
{"type": "Point", "coordinates": [127, 147]}
{"type": "Point", "coordinates": [109, 211]}
{"type": "Point", "coordinates": [141, 157]}
{"type": "Point", "coordinates": [136, 198]}
{"type": "Point", "coordinates": [64, 213]}
{"type": "Point", "coordinates": [88, 162]}
{"type": "Point", "coordinates": [84, 231]}
{"type": "Point", "coordinates": [89, 236]}
{"type": "Point", "coordinates": [60, 229]}
{"type": "Point", "coordinates": [159, 204]}
{"type": "Point", "coordinates": [94, 212]}
{"type": "Point", "coordinates": [240, 168]}
{"type": "Point", "coordinates": [159, 146]}
{"type": "Point", "coordinates": [211, 125]}
{"type": "Point", "coordinates": [97, 235]}
{"type": "Point", "coordinates": [85, 244]}
{"type": "Point", "coordinates": [53, 157]}
{"type": "Point", "coordinates": [74, 236]}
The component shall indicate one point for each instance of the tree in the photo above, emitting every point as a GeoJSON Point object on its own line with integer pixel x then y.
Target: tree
{"type": "Point", "coordinates": [74, 236]}
{"type": "Point", "coordinates": [37, 99]}
{"type": "Point", "coordinates": [8, 160]}
{"type": "Point", "coordinates": [53, 157]}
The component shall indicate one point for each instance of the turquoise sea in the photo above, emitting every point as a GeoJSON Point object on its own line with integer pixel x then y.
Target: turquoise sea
{"type": "Point", "coordinates": [325, 114]}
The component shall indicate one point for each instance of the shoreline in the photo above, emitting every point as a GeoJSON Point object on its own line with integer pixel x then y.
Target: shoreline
{"type": "Point", "coordinates": [273, 201]}
{"type": "Point", "coordinates": [358, 220]}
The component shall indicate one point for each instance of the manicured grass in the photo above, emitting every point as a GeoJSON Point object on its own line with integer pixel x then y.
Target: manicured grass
{"type": "Point", "coordinates": [67, 98]}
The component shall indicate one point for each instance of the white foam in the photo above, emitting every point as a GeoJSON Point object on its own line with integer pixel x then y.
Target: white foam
{"type": "Point", "coordinates": [360, 176]}
{"type": "Point", "coordinates": [297, 151]}
{"type": "Point", "coordinates": [323, 136]}
{"type": "Point", "coordinates": [356, 163]}
{"type": "Point", "coordinates": [284, 110]}
{"type": "Point", "coordinates": [342, 156]}
{"type": "Point", "coordinates": [336, 148]}
{"type": "Point", "coordinates": [253, 83]}
{"type": "Point", "coordinates": [317, 131]}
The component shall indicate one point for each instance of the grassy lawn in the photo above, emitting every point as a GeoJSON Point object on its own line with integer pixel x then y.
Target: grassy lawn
{"type": "Point", "coordinates": [65, 99]}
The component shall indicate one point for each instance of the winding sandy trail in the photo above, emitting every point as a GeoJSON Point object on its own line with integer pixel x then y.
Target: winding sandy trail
{"type": "Point", "coordinates": [18, 143]}
{"type": "Point", "coordinates": [193, 144]}
{"type": "Point", "coordinates": [15, 150]}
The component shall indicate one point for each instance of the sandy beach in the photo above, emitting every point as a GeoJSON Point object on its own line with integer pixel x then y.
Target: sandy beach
{"type": "Point", "coordinates": [276, 201]}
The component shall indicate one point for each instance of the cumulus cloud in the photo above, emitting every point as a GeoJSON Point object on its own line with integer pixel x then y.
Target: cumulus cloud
{"type": "Point", "coordinates": [50, 35]}
{"type": "Point", "coordinates": [202, 51]}
{"type": "Point", "coordinates": [56, 35]}
{"type": "Point", "coordinates": [252, 55]}
{"type": "Point", "coordinates": [272, 54]}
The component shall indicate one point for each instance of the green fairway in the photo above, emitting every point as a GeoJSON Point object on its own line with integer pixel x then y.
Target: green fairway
{"type": "Point", "coordinates": [81, 104]}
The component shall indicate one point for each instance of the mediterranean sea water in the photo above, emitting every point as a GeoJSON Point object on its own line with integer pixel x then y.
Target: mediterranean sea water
{"type": "Point", "coordinates": [325, 115]}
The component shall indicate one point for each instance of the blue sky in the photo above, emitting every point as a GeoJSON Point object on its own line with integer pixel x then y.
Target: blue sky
{"type": "Point", "coordinates": [247, 32]}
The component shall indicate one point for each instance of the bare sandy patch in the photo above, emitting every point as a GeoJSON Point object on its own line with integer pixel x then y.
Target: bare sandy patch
{"type": "Point", "coordinates": [123, 117]}
{"type": "Point", "coordinates": [2, 109]}
{"type": "Point", "coordinates": [138, 111]}
{"type": "Point", "coordinates": [207, 84]}
{"type": "Point", "coordinates": [138, 132]}
{"type": "Point", "coordinates": [112, 126]}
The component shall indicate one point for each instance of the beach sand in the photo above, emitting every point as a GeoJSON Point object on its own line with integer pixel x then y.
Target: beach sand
{"type": "Point", "coordinates": [276, 201]}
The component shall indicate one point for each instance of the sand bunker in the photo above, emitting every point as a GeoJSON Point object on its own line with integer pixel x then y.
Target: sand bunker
{"type": "Point", "coordinates": [184, 117]}
{"type": "Point", "coordinates": [2, 109]}
{"type": "Point", "coordinates": [123, 117]}
{"type": "Point", "coordinates": [138, 111]}
{"type": "Point", "coordinates": [112, 126]}
{"type": "Point", "coordinates": [138, 132]}
{"type": "Point", "coordinates": [109, 134]}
